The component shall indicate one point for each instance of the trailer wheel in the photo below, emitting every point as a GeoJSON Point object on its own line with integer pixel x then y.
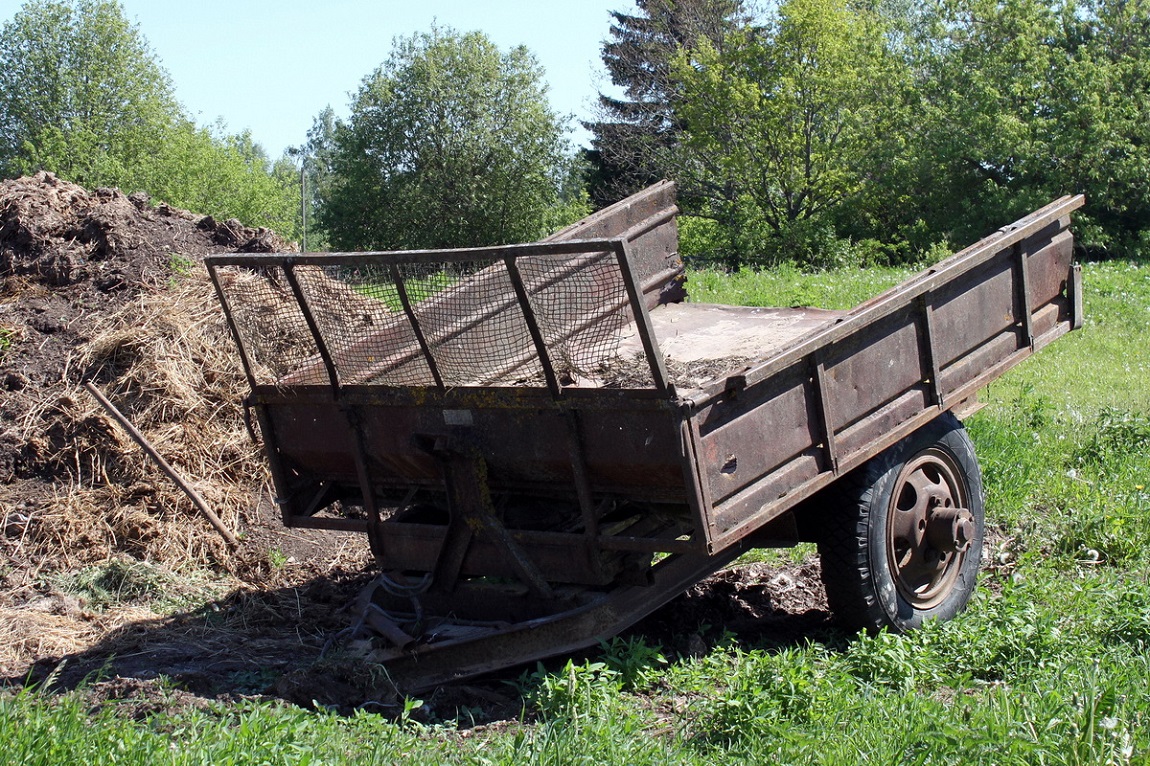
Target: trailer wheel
{"type": "Point", "coordinates": [902, 542]}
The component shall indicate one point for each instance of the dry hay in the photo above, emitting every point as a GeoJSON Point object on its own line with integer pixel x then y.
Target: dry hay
{"type": "Point", "coordinates": [100, 286]}
{"type": "Point", "coordinates": [167, 363]}
{"type": "Point", "coordinates": [275, 333]}
{"type": "Point", "coordinates": [56, 628]}
{"type": "Point", "coordinates": [103, 287]}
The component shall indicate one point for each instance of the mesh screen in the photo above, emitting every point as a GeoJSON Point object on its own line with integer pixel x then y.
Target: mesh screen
{"type": "Point", "coordinates": [271, 326]}
{"type": "Point", "coordinates": [580, 304]}
{"type": "Point", "coordinates": [398, 323]}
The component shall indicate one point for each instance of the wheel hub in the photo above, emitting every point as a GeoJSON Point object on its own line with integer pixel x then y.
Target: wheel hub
{"type": "Point", "coordinates": [930, 528]}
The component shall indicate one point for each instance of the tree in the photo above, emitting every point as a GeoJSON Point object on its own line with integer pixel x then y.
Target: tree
{"type": "Point", "coordinates": [635, 129]}
{"type": "Point", "coordinates": [82, 95]}
{"type": "Point", "coordinates": [449, 143]}
{"type": "Point", "coordinates": [1028, 100]}
{"type": "Point", "coordinates": [783, 125]}
{"type": "Point", "coordinates": [80, 92]}
{"type": "Point", "coordinates": [212, 172]}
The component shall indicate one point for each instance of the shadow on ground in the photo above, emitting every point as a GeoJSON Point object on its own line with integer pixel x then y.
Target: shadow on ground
{"type": "Point", "coordinates": [291, 644]}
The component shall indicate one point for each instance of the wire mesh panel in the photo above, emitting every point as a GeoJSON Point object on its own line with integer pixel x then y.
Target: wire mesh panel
{"type": "Point", "coordinates": [581, 306]}
{"type": "Point", "coordinates": [271, 326]}
{"type": "Point", "coordinates": [360, 315]}
{"type": "Point", "coordinates": [474, 326]}
{"type": "Point", "coordinates": [493, 316]}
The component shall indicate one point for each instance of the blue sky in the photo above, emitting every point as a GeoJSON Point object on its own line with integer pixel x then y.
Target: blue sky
{"type": "Point", "coordinates": [270, 67]}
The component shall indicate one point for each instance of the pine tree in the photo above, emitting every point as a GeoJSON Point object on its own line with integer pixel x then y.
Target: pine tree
{"type": "Point", "coordinates": [640, 124]}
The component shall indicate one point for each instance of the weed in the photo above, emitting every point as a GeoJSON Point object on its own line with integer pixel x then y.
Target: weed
{"type": "Point", "coordinates": [119, 581]}
{"type": "Point", "coordinates": [575, 692]}
{"type": "Point", "coordinates": [1117, 436]}
{"type": "Point", "coordinates": [885, 659]}
{"type": "Point", "coordinates": [277, 558]}
{"type": "Point", "coordinates": [9, 336]}
{"type": "Point", "coordinates": [633, 661]}
{"type": "Point", "coordinates": [124, 581]}
{"type": "Point", "coordinates": [181, 265]}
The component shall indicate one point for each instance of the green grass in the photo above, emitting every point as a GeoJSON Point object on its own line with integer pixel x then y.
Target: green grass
{"type": "Point", "coordinates": [1049, 665]}
{"type": "Point", "coordinates": [788, 286]}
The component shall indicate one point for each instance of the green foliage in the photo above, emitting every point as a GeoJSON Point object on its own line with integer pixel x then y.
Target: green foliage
{"type": "Point", "coordinates": [82, 95]}
{"type": "Point", "coordinates": [779, 126]}
{"type": "Point", "coordinates": [8, 337]}
{"type": "Point", "coordinates": [118, 581]}
{"type": "Point", "coordinates": [788, 285]}
{"type": "Point", "coordinates": [1017, 103]}
{"type": "Point", "coordinates": [634, 129]}
{"type": "Point", "coordinates": [225, 176]}
{"type": "Point", "coordinates": [181, 265]}
{"type": "Point", "coordinates": [575, 692]}
{"type": "Point", "coordinates": [829, 133]}
{"type": "Point", "coordinates": [636, 663]}
{"type": "Point", "coordinates": [80, 92]}
{"type": "Point", "coordinates": [277, 558]}
{"type": "Point", "coordinates": [1116, 436]}
{"type": "Point", "coordinates": [125, 580]}
{"type": "Point", "coordinates": [450, 143]}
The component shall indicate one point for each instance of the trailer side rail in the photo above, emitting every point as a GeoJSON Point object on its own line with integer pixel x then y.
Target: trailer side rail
{"type": "Point", "coordinates": [788, 426]}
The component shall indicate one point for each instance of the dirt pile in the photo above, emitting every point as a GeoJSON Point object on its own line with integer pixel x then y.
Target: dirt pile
{"type": "Point", "coordinates": [109, 288]}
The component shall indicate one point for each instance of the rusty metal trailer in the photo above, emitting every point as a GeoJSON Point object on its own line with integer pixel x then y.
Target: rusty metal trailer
{"type": "Point", "coordinates": [544, 442]}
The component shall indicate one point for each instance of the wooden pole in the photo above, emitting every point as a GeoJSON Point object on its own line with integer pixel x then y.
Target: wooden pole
{"type": "Point", "coordinates": [166, 467]}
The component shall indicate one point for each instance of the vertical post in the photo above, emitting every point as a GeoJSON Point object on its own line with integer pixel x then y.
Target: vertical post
{"type": "Point", "coordinates": [1022, 283]}
{"type": "Point", "coordinates": [533, 326]}
{"type": "Point", "coordinates": [1074, 290]}
{"type": "Point", "coordinates": [642, 318]}
{"type": "Point", "coordinates": [233, 327]}
{"type": "Point", "coordinates": [926, 306]}
{"type": "Point", "coordinates": [309, 319]}
{"type": "Point", "coordinates": [303, 204]}
{"type": "Point", "coordinates": [405, 299]}
{"type": "Point", "coordinates": [823, 410]}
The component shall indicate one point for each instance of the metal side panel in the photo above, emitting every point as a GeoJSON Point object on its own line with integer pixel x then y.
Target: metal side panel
{"type": "Point", "coordinates": [833, 400]}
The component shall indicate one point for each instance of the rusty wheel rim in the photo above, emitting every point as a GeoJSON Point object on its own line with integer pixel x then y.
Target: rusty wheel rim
{"type": "Point", "coordinates": [929, 528]}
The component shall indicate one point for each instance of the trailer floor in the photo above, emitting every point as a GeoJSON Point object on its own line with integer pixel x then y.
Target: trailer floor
{"type": "Point", "coordinates": [704, 342]}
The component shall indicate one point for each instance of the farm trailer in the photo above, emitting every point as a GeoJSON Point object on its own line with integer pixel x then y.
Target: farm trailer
{"type": "Point", "coordinates": [545, 442]}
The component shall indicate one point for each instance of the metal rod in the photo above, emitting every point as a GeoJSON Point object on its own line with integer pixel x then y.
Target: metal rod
{"type": "Point", "coordinates": [494, 253]}
{"type": "Point", "coordinates": [587, 507]}
{"type": "Point", "coordinates": [312, 326]}
{"type": "Point", "coordinates": [642, 318]}
{"type": "Point", "coordinates": [533, 328]}
{"type": "Point", "coordinates": [231, 322]}
{"type": "Point", "coordinates": [416, 328]}
{"type": "Point", "coordinates": [166, 467]}
{"type": "Point", "coordinates": [303, 204]}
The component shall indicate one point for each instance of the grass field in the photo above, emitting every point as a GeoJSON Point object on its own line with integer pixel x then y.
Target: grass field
{"type": "Point", "coordinates": [1049, 665]}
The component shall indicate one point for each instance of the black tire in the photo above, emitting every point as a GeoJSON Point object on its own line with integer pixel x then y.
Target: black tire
{"type": "Point", "coordinates": [902, 537]}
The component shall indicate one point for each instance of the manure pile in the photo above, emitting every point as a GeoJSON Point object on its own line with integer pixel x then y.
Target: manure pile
{"type": "Point", "coordinates": [105, 287]}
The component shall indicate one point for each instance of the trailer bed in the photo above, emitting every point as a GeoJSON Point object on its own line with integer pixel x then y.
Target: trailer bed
{"type": "Point", "coordinates": [544, 442]}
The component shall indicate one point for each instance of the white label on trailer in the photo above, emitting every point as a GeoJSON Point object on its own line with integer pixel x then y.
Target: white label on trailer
{"type": "Point", "coordinates": [458, 418]}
